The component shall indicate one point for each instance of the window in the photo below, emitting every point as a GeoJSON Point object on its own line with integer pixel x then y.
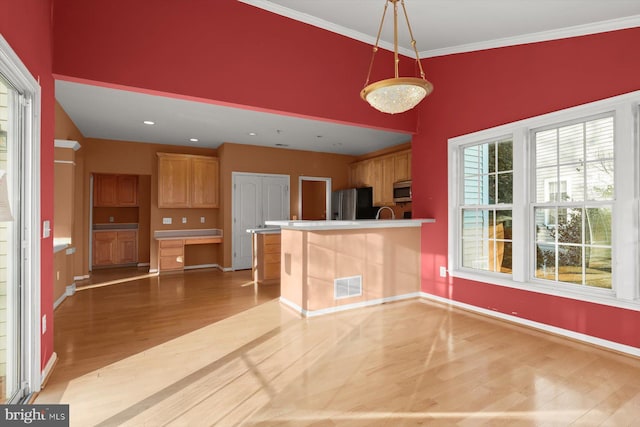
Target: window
{"type": "Point", "coordinates": [485, 213]}
{"type": "Point", "coordinates": [574, 168]}
{"type": "Point", "coordinates": [551, 203]}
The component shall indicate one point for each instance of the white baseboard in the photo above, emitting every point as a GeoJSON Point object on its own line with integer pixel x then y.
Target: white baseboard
{"type": "Point", "coordinates": [634, 351]}
{"type": "Point", "coordinates": [143, 264]}
{"type": "Point", "coordinates": [153, 270]}
{"type": "Point", "coordinates": [226, 269]}
{"type": "Point", "coordinates": [68, 291]}
{"type": "Point", "coordinates": [336, 309]}
{"type": "Point", "coordinates": [81, 277]}
{"type": "Point", "coordinates": [48, 368]}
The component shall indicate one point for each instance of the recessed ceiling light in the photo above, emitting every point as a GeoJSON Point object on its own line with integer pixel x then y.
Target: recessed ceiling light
{"type": "Point", "coordinates": [149, 122]}
{"type": "Point", "coordinates": [193, 139]}
{"type": "Point", "coordinates": [282, 145]}
{"type": "Point", "coordinates": [252, 134]}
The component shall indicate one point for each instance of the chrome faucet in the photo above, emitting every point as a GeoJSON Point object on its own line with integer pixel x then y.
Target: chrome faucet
{"type": "Point", "coordinates": [393, 215]}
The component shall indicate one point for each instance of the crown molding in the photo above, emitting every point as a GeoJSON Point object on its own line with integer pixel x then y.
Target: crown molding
{"type": "Point", "coordinates": [562, 33]}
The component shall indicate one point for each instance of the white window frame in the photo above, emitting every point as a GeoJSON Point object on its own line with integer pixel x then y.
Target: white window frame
{"type": "Point", "coordinates": [625, 290]}
{"type": "Point", "coordinates": [15, 71]}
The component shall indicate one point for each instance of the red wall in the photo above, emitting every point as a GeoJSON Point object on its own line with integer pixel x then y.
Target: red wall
{"type": "Point", "coordinates": [225, 51]}
{"type": "Point", "coordinates": [479, 90]}
{"type": "Point", "coordinates": [26, 26]}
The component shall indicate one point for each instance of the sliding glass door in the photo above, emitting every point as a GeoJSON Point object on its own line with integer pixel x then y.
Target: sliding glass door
{"type": "Point", "coordinates": [19, 230]}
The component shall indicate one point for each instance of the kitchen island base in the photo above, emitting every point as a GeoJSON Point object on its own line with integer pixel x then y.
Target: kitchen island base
{"type": "Point", "coordinates": [324, 271]}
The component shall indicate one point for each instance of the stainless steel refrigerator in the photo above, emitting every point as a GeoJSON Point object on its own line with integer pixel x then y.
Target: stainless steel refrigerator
{"type": "Point", "coordinates": [352, 203]}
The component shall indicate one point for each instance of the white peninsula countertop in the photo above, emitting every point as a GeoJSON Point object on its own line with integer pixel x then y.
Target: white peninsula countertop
{"type": "Point", "coordinates": [349, 225]}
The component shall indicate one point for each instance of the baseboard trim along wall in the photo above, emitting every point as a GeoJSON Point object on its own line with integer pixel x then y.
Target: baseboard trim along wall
{"type": "Point", "coordinates": [68, 291]}
{"type": "Point", "coordinates": [48, 369]}
{"type": "Point", "coordinates": [86, 276]}
{"type": "Point", "coordinates": [338, 308]}
{"type": "Point", "coordinates": [598, 342]}
{"type": "Point", "coordinates": [195, 267]}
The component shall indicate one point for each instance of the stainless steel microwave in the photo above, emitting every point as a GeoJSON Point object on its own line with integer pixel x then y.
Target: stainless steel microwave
{"type": "Point", "coordinates": [402, 191]}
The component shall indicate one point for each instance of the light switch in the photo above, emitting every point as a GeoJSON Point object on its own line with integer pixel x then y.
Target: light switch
{"type": "Point", "coordinates": [184, 219]}
{"type": "Point", "coordinates": [166, 220]}
{"type": "Point", "coordinates": [201, 220]}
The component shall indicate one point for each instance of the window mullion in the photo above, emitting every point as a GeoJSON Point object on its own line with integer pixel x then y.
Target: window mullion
{"type": "Point", "coordinates": [522, 190]}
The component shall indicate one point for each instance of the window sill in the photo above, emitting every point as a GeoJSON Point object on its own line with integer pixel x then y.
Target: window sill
{"type": "Point", "coordinates": [596, 296]}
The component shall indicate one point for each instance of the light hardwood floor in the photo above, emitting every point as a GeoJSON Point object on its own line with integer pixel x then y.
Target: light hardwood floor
{"type": "Point", "coordinates": [201, 349]}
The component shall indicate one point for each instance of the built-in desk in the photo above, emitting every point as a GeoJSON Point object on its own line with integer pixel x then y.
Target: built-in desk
{"type": "Point", "coordinates": [172, 242]}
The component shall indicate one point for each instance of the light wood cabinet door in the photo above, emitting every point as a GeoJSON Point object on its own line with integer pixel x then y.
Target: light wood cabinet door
{"type": "Point", "coordinates": [111, 190]}
{"type": "Point", "coordinates": [115, 247]}
{"type": "Point", "coordinates": [173, 180]}
{"type": "Point", "coordinates": [127, 247]}
{"type": "Point", "coordinates": [402, 166]}
{"type": "Point", "coordinates": [104, 248]}
{"type": "Point", "coordinates": [383, 175]}
{"type": "Point", "coordinates": [127, 190]}
{"type": "Point", "coordinates": [105, 190]}
{"type": "Point", "coordinates": [171, 255]}
{"type": "Point", "coordinates": [204, 182]}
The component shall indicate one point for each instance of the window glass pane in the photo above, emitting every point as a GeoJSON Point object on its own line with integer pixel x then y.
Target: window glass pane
{"type": "Point", "coordinates": [571, 143]}
{"type": "Point", "coordinates": [505, 188]}
{"type": "Point", "coordinates": [476, 190]}
{"type": "Point", "coordinates": [599, 136]}
{"type": "Point", "coordinates": [570, 264]}
{"type": "Point", "coordinates": [545, 180]}
{"type": "Point", "coordinates": [598, 267]}
{"type": "Point", "coordinates": [491, 157]}
{"type": "Point", "coordinates": [569, 226]}
{"type": "Point", "coordinates": [505, 156]}
{"type": "Point", "coordinates": [545, 261]}
{"type": "Point", "coordinates": [546, 148]}
{"type": "Point", "coordinates": [600, 180]}
{"type": "Point", "coordinates": [570, 187]}
{"type": "Point", "coordinates": [598, 226]}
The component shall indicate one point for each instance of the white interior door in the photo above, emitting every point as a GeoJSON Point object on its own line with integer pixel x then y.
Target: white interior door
{"type": "Point", "coordinates": [255, 199]}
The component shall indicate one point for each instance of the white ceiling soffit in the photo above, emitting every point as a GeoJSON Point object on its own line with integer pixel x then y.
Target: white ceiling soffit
{"type": "Point", "coordinates": [107, 113]}
{"type": "Point", "coordinates": [443, 27]}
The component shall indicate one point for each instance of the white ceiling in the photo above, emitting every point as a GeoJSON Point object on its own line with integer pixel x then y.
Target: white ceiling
{"type": "Point", "coordinates": [440, 27]}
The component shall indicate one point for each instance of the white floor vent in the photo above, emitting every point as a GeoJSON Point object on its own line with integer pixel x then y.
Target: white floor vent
{"type": "Point", "coordinates": [346, 287]}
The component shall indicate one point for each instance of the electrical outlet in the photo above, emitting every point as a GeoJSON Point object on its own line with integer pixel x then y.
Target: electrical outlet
{"type": "Point", "coordinates": [166, 220]}
{"type": "Point", "coordinates": [201, 220]}
{"type": "Point", "coordinates": [110, 219]}
{"type": "Point", "coordinates": [44, 323]}
{"type": "Point", "coordinates": [184, 219]}
{"type": "Point", "coordinates": [443, 271]}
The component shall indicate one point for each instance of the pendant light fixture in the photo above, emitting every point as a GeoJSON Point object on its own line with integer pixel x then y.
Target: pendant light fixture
{"type": "Point", "coordinates": [397, 94]}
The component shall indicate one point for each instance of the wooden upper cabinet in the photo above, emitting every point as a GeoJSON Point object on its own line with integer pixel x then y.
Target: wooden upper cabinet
{"type": "Point", "coordinates": [115, 190]}
{"type": "Point", "coordinates": [204, 182]}
{"type": "Point", "coordinates": [173, 180]}
{"type": "Point", "coordinates": [380, 173]}
{"type": "Point", "coordinates": [402, 166]}
{"type": "Point", "coordinates": [187, 181]}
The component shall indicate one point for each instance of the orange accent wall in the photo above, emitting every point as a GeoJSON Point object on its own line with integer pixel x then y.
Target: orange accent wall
{"type": "Point", "coordinates": [295, 163]}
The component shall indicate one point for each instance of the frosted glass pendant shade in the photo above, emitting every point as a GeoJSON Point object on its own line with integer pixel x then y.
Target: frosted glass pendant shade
{"type": "Point", "coordinates": [396, 95]}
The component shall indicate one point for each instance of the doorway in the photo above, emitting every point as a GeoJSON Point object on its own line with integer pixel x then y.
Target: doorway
{"type": "Point", "coordinates": [256, 198]}
{"type": "Point", "coordinates": [314, 198]}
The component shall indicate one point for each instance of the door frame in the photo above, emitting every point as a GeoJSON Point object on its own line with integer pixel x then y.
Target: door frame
{"type": "Point", "coordinates": [17, 73]}
{"type": "Point", "coordinates": [328, 190]}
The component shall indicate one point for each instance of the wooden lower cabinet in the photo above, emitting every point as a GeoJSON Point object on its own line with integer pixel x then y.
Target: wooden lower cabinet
{"type": "Point", "coordinates": [171, 255]}
{"type": "Point", "coordinates": [112, 248]}
{"type": "Point", "coordinates": [266, 253]}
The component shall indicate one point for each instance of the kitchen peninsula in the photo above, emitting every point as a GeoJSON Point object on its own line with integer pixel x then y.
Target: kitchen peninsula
{"type": "Point", "coordinates": [329, 266]}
